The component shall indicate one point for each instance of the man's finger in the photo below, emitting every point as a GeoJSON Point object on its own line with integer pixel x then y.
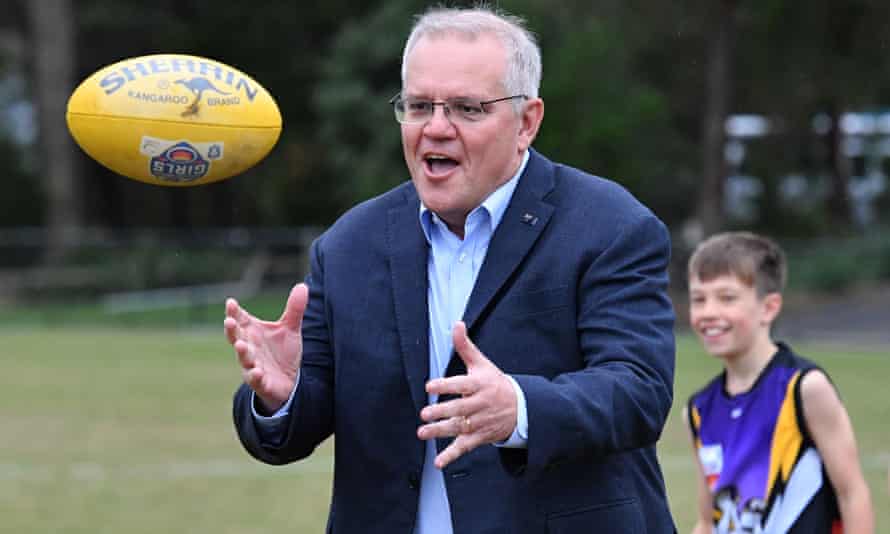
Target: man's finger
{"type": "Point", "coordinates": [231, 307]}
{"type": "Point", "coordinates": [444, 428]}
{"type": "Point", "coordinates": [231, 329]}
{"type": "Point", "coordinates": [254, 378]}
{"type": "Point", "coordinates": [464, 347]}
{"type": "Point", "coordinates": [236, 312]}
{"type": "Point", "coordinates": [461, 445]}
{"type": "Point", "coordinates": [455, 385]}
{"type": "Point", "coordinates": [453, 408]}
{"type": "Point", "coordinates": [242, 350]}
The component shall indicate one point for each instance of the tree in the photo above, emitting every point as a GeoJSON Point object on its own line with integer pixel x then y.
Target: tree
{"type": "Point", "coordinates": [359, 76]}
{"type": "Point", "coordinates": [718, 83]}
{"type": "Point", "coordinates": [604, 110]}
{"type": "Point", "coordinates": [52, 43]}
{"type": "Point", "coordinates": [24, 206]}
{"type": "Point", "coordinates": [803, 59]}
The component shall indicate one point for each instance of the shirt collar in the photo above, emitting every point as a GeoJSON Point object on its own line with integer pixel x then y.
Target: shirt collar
{"type": "Point", "coordinates": [495, 204]}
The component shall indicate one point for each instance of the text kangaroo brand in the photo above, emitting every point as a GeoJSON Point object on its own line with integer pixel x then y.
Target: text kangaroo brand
{"type": "Point", "coordinates": [128, 72]}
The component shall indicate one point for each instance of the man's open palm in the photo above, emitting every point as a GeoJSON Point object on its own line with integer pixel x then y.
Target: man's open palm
{"type": "Point", "coordinates": [269, 351]}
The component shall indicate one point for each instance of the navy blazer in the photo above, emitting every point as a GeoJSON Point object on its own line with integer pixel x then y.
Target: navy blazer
{"type": "Point", "coordinates": [571, 301]}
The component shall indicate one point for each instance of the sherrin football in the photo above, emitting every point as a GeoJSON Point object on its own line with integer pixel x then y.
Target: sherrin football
{"type": "Point", "coordinates": [173, 119]}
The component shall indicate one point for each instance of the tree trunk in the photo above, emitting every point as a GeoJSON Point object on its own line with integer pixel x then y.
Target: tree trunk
{"type": "Point", "coordinates": [710, 210]}
{"type": "Point", "coordinates": [52, 42]}
{"type": "Point", "coordinates": [838, 200]}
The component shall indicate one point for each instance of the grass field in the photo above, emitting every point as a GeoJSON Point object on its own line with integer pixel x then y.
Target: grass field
{"type": "Point", "coordinates": [128, 430]}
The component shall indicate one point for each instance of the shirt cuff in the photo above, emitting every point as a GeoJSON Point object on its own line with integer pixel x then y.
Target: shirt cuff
{"type": "Point", "coordinates": [270, 424]}
{"type": "Point", "coordinates": [519, 438]}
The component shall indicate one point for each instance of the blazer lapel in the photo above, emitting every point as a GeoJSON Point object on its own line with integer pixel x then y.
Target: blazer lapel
{"type": "Point", "coordinates": [522, 224]}
{"type": "Point", "coordinates": [408, 256]}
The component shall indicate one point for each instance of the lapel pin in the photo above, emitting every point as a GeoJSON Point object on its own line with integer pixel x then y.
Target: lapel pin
{"type": "Point", "coordinates": [529, 219]}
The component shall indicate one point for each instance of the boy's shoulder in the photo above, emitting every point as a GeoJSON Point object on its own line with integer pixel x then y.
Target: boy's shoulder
{"type": "Point", "coordinates": [787, 358]}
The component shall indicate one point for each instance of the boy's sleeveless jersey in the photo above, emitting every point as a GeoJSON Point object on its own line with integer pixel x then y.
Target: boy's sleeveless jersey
{"type": "Point", "coordinates": [760, 463]}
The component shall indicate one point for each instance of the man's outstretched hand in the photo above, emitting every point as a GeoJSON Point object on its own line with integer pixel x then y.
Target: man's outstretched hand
{"type": "Point", "coordinates": [486, 411]}
{"type": "Point", "coordinates": [269, 351]}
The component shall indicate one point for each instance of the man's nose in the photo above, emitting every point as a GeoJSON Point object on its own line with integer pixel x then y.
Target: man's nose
{"type": "Point", "coordinates": [439, 124]}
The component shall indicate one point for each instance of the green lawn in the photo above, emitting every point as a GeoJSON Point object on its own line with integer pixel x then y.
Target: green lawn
{"type": "Point", "coordinates": [124, 430]}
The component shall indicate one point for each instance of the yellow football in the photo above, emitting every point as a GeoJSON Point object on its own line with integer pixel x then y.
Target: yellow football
{"type": "Point", "coordinates": [172, 119]}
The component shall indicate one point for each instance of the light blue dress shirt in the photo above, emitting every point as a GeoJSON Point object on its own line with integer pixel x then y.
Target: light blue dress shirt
{"type": "Point", "coordinates": [452, 270]}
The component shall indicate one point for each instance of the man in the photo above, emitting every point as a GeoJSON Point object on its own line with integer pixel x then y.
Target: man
{"type": "Point", "coordinates": [491, 343]}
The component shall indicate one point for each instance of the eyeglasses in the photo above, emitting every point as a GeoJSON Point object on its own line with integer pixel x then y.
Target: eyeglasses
{"type": "Point", "coordinates": [410, 110]}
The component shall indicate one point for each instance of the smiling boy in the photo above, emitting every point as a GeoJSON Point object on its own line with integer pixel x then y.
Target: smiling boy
{"type": "Point", "coordinates": [774, 445]}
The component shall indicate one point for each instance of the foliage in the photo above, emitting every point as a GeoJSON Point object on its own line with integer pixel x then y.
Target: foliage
{"type": "Point", "coordinates": [358, 77]}
{"type": "Point", "coordinates": [623, 86]}
{"type": "Point", "coordinates": [25, 206]}
{"type": "Point", "coordinates": [604, 117]}
{"type": "Point", "coordinates": [143, 266]}
{"type": "Point", "coordinates": [833, 265]}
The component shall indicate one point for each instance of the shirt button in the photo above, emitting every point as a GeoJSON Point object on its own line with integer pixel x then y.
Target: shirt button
{"type": "Point", "coordinates": [462, 257]}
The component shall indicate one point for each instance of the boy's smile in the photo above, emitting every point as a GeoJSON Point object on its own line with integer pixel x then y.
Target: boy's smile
{"type": "Point", "coordinates": [728, 316]}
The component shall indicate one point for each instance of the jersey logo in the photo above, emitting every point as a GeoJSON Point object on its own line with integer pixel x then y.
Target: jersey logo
{"type": "Point", "coordinates": [711, 458]}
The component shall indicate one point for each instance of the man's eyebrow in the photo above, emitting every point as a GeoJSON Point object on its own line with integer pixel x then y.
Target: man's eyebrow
{"type": "Point", "coordinates": [422, 96]}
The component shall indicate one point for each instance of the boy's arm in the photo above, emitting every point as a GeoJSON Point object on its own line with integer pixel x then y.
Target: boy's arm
{"type": "Point", "coordinates": [831, 430]}
{"type": "Point", "coordinates": [703, 524]}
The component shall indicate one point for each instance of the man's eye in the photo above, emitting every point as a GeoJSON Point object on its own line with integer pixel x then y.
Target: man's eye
{"type": "Point", "coordinates": [417, 105]}
{"type": "Point", "coordinates": [469, 109]}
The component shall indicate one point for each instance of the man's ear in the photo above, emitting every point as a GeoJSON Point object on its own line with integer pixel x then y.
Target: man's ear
{"type": "Point", "coordinates": [532, 115]}
{"type": "Point", "coordinates": [772, 305]}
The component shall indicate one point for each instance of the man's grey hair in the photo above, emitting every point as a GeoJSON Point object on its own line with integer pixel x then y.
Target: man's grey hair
{"type": "Point", "coordinates": [523, 73]}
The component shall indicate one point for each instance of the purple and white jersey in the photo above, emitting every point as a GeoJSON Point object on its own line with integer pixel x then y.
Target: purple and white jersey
{"type": "Point", "coordinates": [763, 470]}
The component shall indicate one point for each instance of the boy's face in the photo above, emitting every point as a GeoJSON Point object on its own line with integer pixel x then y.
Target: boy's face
{"type": "Point", "coordinates": [729, 317]}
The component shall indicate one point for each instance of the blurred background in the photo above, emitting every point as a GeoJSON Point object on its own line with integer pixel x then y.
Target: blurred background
{"type": "Point", "coordinates": [772, 116]}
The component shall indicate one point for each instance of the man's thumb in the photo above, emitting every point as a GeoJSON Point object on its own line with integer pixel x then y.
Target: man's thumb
{"type": "Point", "coordinates": [292, 317]}
{"type": "Point", "coordinates": [465, 348]}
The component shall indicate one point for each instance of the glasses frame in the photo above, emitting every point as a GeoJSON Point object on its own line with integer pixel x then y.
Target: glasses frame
{"type": "Point", "coordinates": [447, 109]}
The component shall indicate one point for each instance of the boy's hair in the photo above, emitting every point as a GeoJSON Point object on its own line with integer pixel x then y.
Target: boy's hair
{"type": "Point", "coordinates": [756, 260]}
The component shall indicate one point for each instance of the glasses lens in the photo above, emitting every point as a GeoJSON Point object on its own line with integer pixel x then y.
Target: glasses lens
{"type": "Point", "coordinates": [467, 109]}
{"type": "Point", "coordinates": [412, 110]}
{"type": "Point", "coordinates": [398, 105]}
{"type": "Point", "coordinates": [417, 110]}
